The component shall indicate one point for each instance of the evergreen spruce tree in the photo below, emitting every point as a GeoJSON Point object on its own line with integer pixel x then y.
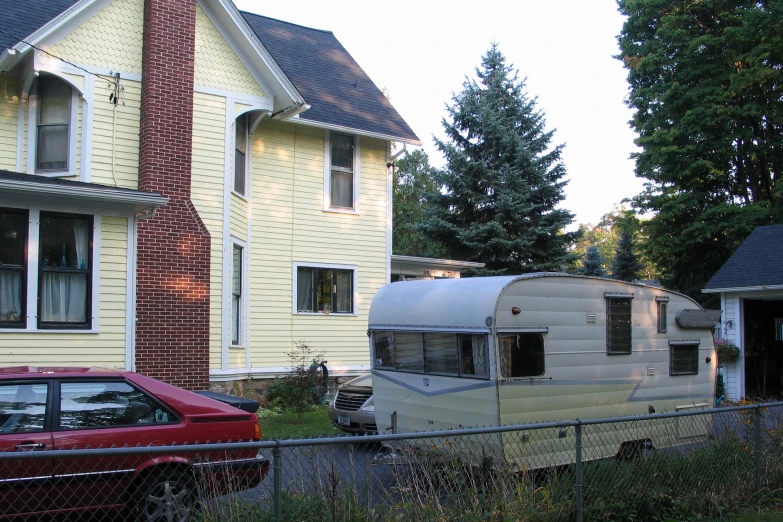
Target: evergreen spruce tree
{"type": "Point", "coordinates": [626, 265]}
{"type": "Point", "coordinates": [503, 179]}
{"type": "Point", "coordinates": [593, 263]}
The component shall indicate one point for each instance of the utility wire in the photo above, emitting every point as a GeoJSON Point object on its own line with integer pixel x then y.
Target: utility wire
{"type": "Point", "coordinates": [105, 77]}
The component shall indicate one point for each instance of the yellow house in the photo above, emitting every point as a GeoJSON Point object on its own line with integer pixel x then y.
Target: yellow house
{"type": "Point", "coordinates": [187, 192]}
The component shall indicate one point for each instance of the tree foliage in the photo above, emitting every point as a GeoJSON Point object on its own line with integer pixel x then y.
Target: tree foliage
{"type": "Point", "coordinates": [706, 84]}
{"type": "Point", "coordinates": [503, 180]}
{"type": "Point", "coordinates": [626, 265]}
{"type": "Point", "coordinates": [413, 179]}
{"type": "Point", "coordinates": [593, 263]}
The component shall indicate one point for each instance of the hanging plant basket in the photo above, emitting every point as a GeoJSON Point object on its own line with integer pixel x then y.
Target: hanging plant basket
{"type": "Point", "coordinates": [727, 351]}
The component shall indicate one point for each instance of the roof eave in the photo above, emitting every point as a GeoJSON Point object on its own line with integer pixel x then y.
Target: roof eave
{"type": "Point", "coordinates": [140, 201]}
{"type": "Point", "coordinates": [360, 132]}
{"type": "Point", "coordinates": [728, 290]}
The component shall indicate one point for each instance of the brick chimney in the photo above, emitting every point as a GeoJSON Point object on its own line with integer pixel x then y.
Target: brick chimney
{"type": "Point", "coordinates": [172, 297]}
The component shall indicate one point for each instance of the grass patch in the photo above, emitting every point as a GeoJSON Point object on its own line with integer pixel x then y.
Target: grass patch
{"type": "Point", "coordinates": [286, 425]}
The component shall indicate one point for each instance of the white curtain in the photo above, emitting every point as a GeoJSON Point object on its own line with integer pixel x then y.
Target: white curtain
{"type": "Point", "coordinates": [10, 295]}
{"type": "Point", "coordinates": [63, 294]}
{"type": "Point", "coordinates": [479, 343]}
{"type": "Point", "coordinates": [342, 189]}
{"type": "Point", "coordinates": [305, 290]}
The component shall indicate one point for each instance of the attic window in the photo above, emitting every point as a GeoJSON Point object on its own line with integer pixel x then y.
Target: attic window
{"type": "Point", "coordinates": [53, 125]}
{"type": "Point", "coordinates": [240, 155]}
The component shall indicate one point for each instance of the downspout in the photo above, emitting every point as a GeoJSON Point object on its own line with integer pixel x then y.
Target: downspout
{"type": "Point", "coordinates": [130, 362]}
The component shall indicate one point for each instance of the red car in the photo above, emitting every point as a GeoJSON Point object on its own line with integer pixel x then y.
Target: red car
{"type": "Point", "coordinates": [79, 408]}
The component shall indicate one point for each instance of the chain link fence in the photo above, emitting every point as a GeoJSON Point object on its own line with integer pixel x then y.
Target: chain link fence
{"type": "Point", "coordinates": [652, 467]}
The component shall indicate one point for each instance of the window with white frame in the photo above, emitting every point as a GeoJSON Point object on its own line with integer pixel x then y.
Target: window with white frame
{"type": "Point", "coordinates": [65, 266]}
{"type": "Point", "coordinates": [237, 283]}
{"type": "Point", "coordinates": [13, 267]}
{"type": "Point", "coordinates": [324, 290]}
{"type": "Point", "coordinates": [240, 154]}
{"type": "Point", "coordinates": [53, 121]}
{"type": "Point", "coordinates": [342, 179]}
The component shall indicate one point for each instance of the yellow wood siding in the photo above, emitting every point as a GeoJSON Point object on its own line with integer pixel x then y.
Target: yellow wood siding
{"type": "Point", "coordinates": [9, 120]}
{"type": "Point", "coordinates": [118, 124]}
{"type": "Point", "coordinates": [207, 194]}
{"type": "Point", "coordinates": [217, 65]}
{"type": "Point", "coordinates": [106, 348]}
{"type": "Point", "coordinates": [239, 217]}
{"type": "Point", "coordinates": [111, 39]}
{"type": "Point", "coordinates": [289, 224]}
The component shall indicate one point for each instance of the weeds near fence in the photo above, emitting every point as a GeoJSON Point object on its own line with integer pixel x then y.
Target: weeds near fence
{"type": "Point", "coordinates": [459, 480]}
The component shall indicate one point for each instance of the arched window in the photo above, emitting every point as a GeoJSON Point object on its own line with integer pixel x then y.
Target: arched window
{"type": "Point", "coordinates": [53, 121]}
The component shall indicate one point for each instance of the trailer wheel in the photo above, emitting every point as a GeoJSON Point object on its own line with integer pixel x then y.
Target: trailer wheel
{"type": "Point", "coordinates": [632, 449]}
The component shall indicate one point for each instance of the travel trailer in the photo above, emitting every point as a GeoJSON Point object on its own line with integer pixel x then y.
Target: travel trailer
{"type": "Point", "coordinates": [489, 351]}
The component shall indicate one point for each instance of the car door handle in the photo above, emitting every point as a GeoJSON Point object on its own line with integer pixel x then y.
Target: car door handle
{"type": "Point", "coordinates": [31, 446]}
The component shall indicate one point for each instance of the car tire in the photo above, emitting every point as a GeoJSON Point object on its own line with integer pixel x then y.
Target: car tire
{"type": "Point", "coordinates": [164, 496]}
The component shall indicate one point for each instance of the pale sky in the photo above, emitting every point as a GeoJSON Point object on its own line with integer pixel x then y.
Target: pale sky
{"type": "Point", "coordinates": [421, 51]}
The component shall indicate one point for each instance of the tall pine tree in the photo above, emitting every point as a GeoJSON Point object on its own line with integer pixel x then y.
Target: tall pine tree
{"type": "Point", "coordinates": [593, 263]}
{"type": "Point", "coordinates": [626, 265]}
{"type": "Point", "coordinates": [503, 180]}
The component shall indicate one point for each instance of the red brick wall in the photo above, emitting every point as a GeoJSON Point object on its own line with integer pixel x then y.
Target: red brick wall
{"type": "Point", "coordinates": [172, 298]}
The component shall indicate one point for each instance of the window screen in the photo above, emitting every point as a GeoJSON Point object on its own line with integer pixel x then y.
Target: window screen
{"type": "Point", "coordinates": [618, 325]}
{"type": "Point", "coordinates": [342, 171]}
{"type": "Point", "coordinates": [409, 351]}
{"type": "Point", "coordinates": [522, 355]}
{"type": "Point", "coordinates": [684, 359]}
{"type": "Point", "coordinates": [441, 354]}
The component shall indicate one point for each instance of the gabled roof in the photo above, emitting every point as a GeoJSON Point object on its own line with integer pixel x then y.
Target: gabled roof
{"type": "Point", "coordinates": [338, 91]}
{"type": "Point", "coordinates": [23, 17]}
{"type": "Point", "coordinates": [756, 264]}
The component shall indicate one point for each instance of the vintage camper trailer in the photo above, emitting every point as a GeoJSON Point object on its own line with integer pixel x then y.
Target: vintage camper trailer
{"type": "Point", "coordinates": [494, 351]}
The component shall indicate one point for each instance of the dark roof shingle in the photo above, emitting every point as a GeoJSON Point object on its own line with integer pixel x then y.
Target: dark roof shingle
{"type": "Point", "coordinates": [328, 78]}
{"type": "Point", "coordinates": [757, 262]}
{"type": "Point", "coordinates": [21, 18]}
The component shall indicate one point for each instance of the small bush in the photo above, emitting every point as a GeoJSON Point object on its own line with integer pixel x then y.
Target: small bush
{"type": "Point", "coordinates": [299, 390]}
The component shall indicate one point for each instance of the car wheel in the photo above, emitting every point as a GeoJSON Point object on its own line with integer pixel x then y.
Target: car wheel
{"type": "Point", "coordinates": [166, 496]}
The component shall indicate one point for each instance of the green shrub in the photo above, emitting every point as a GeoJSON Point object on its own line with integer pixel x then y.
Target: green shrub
{"type": "Point", "coordinates": [300, 389]}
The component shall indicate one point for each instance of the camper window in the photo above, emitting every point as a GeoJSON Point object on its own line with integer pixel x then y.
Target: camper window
{"type": "Point", "coordinates": [440, 350]}
{"type": "Point", "coordinates": [522, 355]}
{"type": "Point", "coordinates": [684, 359]}
{"type": "Point", "coordinates": [384, 352]}
{"type": "Point", "coordinates": [437, 353]}
{"type": "Point", "coordinates": [618, 325]}
{"type": "Point", "coordinates": [409, 351]}
{"type": "Point", "coordinates": [473, 355]}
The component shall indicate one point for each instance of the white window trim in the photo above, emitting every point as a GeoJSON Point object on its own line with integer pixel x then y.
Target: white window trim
{"type": "Point", "coordinates": [32, 134]}
{"type": "Point", "coordinates": [328, 174]}
{"type": "Point", "coordinates": [243, 302]}
{"type": "Point", "coordinates": [308, 264]}
{"type": "Point", "coordinates": [33, 234]}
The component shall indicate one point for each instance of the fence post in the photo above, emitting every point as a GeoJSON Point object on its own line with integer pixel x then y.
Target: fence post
{"type": "Point", "coordinates": [757, 444]}
{"type": "Point", "coordinates": [277, 457]}
{"type": "Point", "coordinates": [578, 471]}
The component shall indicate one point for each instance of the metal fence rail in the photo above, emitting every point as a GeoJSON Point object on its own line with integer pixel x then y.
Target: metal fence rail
{"type": "Point", "coordinates": [644, 467]}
